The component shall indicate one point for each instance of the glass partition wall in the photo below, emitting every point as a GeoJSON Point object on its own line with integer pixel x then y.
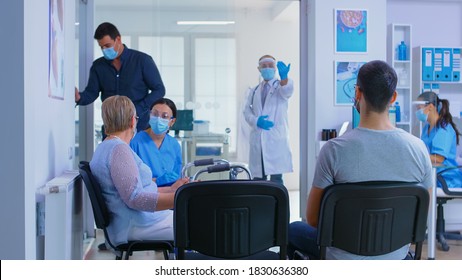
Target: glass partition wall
{"type": "Point", "coordinates": [207, 53]}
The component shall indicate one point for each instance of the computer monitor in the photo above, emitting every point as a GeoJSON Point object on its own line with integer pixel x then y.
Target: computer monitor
{"type": "Point", "coordinates": [184, 121]}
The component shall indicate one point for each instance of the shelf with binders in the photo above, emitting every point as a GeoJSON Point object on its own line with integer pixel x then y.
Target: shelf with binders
{"type": "Point", "coordinates": [438, 69]}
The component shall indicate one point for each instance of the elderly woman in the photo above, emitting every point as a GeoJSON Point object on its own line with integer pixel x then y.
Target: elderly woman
{"type": "Point", "coordinates": [139, 210]}
{"type": "Point", "coordinates": [160, 151]}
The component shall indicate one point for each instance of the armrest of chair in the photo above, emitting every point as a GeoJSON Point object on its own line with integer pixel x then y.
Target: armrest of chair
{"type": "Point", "coordinates": [444, 186]}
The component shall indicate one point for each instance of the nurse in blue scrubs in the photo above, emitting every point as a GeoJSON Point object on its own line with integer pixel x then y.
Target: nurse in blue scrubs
{"type": "Point", "coordinates": [157, 149]}
{"type": "Point", "coordinates": [440, 135]}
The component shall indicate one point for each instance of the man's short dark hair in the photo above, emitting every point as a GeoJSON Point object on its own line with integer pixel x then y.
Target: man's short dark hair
{"type": "Point", "coordinates": [377, 81]}
{"type": "Point", "coordinates": [106, 28]}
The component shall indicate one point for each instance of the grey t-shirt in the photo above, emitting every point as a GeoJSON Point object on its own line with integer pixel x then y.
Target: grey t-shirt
{"type": "Point", "coordinates": [372, 155]}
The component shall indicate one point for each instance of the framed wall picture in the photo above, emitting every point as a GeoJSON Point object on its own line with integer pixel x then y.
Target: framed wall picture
{"type": "Point", "coordinates": [56, 50]}
{"type": "Point", "coordinates": [346, 73]}
{"type": "Point", "coordinates": [350, 31]}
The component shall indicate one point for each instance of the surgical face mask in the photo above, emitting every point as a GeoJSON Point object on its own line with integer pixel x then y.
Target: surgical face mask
{"type": "Point", "coordinates": [110, 53]}
{"type": "Point", "coordinates": [421, 116]}
{"type": "Point", "coordinates": [158, 125]}
{"type": "Point", "coordinates": [267, 73]}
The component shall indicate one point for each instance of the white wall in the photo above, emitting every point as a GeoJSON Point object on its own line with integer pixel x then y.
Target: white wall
{"type": "Point", "coordinates": [433, 22]}
{"type": "Point", "coordinates": [39, 130]}
{"type": "Point", "coordinates": [321, 57]}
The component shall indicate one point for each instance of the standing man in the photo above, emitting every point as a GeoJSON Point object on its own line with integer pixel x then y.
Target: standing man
{"type": "Point", "coordinates": [266, 113]}
{"type": "Point", "coordinates": [122, 71]}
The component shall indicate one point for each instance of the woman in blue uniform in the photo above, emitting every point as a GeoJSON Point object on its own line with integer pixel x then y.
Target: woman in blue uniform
{"type": "Point", "coordinates": [160, 151]}
{"type": "Point", "coordinates": [440, 135]}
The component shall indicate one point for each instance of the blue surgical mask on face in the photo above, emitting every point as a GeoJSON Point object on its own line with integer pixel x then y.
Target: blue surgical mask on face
{"type": "Point", "coordinates": [110, 53]}
{"type": "Point", "coordinates": [421, 116]}
{"type": "Point", "coordinates": [267, 73]}
{"type": "Point", "coordinates": [158, 125]}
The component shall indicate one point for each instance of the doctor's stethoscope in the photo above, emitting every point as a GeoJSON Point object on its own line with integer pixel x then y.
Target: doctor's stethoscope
{"type": "Point", "coordinates": [253, 93]}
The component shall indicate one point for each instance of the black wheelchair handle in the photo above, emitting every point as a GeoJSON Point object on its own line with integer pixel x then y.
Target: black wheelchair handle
{"type": "Point", "coordinates": [202, 162]}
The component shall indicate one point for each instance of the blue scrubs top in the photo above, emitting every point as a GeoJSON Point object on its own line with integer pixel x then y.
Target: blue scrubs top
{"type": "Point", "coordinates": [165, 162]}
{"type": "Point", "coordinates": [442, 141]}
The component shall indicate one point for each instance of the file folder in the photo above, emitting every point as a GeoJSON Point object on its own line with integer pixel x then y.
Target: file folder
{"type": "Point", "coordinates": [456, 65]}
{"type": "Point", "coordinates": [446, 73]}
{"type": "Point", "coordinates": [427, 64]}
{"type": "Point", "coordinates": [438, 64]}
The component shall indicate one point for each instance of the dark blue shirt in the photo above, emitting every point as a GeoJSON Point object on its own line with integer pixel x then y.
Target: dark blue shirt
{"type": "Point", "coordinates": [138, 79]}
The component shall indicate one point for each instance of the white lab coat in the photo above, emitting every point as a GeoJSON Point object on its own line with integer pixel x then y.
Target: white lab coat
{"type": "Point", "coordinates": [274, 143]}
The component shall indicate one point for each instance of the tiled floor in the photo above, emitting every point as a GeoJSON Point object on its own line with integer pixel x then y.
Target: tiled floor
{"type": "Point", "coordinates": [92, 253]}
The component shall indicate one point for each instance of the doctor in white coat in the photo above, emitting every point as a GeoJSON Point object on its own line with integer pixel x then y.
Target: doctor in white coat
{"type": "Point", "coordinates": [266, 113]}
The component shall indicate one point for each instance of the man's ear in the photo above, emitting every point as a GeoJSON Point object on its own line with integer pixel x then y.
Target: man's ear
{"type": "Point", "coordinates": [358, 93]}
{"type": "Point", "coordinates": [393, 97]}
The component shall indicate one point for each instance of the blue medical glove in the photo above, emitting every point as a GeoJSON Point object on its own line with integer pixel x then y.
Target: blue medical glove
{"type": "Point", "coordinates": [264, 124]}
{"type": "Point", "coordinates": [283, 70]}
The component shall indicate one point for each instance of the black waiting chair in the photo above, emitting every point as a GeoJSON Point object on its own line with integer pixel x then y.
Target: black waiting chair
{"type": "Point", "coordinates": [373, 218]}
{"type": "Point", "coordinates": [444, 194]}
{"type": "Point", "coordinates": [102, 220]}
{"type": "Point", "coordinates": [236, 219]}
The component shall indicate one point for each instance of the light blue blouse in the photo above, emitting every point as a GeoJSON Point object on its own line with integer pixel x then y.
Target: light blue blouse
{"type": "Point", "coordinates": [128, 190]}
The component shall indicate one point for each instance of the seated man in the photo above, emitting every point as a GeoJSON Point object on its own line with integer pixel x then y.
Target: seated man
{"type": "Point", "coordinates": [374, 151]}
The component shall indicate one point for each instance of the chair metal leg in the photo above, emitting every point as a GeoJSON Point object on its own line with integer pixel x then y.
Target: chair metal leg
{"type": "Point", "coordinates": [166, 257]}
{"type": "Point", "coordinates": [440, 226]}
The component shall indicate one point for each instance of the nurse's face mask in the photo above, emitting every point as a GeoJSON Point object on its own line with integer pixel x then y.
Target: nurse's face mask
{"type": "Point", "coordinates": [420, 113]}
{"type": "Point", "coordinates": [160, 121]}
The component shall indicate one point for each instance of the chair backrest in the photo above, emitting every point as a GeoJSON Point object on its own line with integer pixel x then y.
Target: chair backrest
{"type": "Point", "coordinates": [231, 219]}
{"type": "Point", "coordinates": [372, 218]}
{"type": "Point", "coordinates": [98, 204]}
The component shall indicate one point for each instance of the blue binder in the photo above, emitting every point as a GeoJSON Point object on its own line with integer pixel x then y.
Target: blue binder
{"type": "Point", "coordinates": [427, 64]}
{"type": "Point", "coordinates": [438, 64]}
{"type": "Point", "coordinates": [456, 65]}
{"type": "Point", "coordinates": [446, 73]}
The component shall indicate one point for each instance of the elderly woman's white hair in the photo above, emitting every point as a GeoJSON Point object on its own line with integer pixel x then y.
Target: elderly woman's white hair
{"type": "Point", "coordinates": [117, 112]}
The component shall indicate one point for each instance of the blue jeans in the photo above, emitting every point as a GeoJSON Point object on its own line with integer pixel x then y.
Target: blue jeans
{"type": "Point", "coordinates": [302, 237]}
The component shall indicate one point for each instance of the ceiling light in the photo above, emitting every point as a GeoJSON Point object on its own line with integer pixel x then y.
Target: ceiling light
{"type": "Point", "coordinates": [204, 22]}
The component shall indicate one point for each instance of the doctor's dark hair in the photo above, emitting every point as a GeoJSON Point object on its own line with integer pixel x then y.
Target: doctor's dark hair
{"type": "Point", "coordinates": [377, 81]}
{"type": "Point", "coordinates": [168, 102]}
{"type": "Point", "coordinates": [106, 28]}
{"type": "Point", "coordinates": [442, 106]}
